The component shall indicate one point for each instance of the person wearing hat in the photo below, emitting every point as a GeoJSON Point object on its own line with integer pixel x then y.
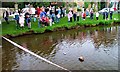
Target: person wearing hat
{"type": "Point", "coordinates": [6, 15]}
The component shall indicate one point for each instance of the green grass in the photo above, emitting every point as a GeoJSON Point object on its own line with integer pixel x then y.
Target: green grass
{"type": "Point", "coordinates": [11, 28]}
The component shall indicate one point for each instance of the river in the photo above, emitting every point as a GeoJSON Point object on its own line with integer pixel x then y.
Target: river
{"type": "Point", "coordinates": [98, 46]}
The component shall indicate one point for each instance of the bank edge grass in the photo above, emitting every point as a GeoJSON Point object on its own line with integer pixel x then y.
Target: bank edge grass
{"type": "Point", "coordinates": [11, 29]}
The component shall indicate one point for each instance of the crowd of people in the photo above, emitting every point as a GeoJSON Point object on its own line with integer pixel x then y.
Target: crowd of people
{"type": "Point", "coordinates": [47, 16]}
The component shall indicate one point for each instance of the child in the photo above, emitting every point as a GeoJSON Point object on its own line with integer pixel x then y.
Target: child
{"type": "Point", "coordinates": [58, 18]}
{"type": "Point", "coordinates": [70, 15]}
{"type": "Point", "coordinates": [28, 21]}
{"type": "Point", "coordinates": [97, 15]}
{"type": "Point", "coordinates": [35, 17]}
{"type": "Point", "coordinates": [84, 15]}
{"type": "Point", "coordinates": [21, 21]}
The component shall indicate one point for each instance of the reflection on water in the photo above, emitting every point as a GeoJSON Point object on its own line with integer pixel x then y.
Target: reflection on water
{"type": "Point", "coordinates": [98, 47]}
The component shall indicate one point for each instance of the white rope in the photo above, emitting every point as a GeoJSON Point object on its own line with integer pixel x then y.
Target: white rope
{"type": "Point", "coordinates": [26, 50]}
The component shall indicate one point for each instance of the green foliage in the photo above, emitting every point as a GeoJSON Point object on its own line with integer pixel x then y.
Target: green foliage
{"type": "Point", "coordinates": [40, 4]}
{"type": "Point", "coordinates": [8, 4]}
{"type": "Point", "coordinates": [74, 4]}
{"type": "Point", "coordinates": [70, 5]}
{"type": "Point", "coordinates": [63, 4]}
{"type": "Point", "coordinates": [21, 5]}
{"type": "Point", "coordinates": [86, 4]}
{"type": "Point", "coordinates": [79, 9]}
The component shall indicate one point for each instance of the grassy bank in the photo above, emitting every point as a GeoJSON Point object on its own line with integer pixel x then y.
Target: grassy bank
{"type": "Point", "coordinates": [10, 29]}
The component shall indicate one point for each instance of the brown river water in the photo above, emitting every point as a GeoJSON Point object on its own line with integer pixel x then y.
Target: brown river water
{"type": "Point", "coordinates": [98, 47]}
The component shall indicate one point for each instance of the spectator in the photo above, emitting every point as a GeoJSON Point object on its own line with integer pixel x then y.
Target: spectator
{"type": "Point", "coordinates": [28, 21]}
{"type": "Point", "coordinates": [91, 14]}
{"type": "Point", "coordinates": [45, 20]}
{"type": "Point", "coordinates": [61, 15]}
{"type": "Point", "coordinates": [84, 15]}
{"type": "Point", "coordinates": [74, 15]}
{"type": "Point", "coordinates": [35, 17]}
{"type": "Point", "coordinates": [111, 14]}
{"type": "Point", "coordinates": [38, 11]}
{"type": "Point", "coordinates": [21, 21]}
{"type": "Point", "coordinates": [78, 14]}
{"type": "Point", "coordinates": [16, 14]}
{"type": "Point", "coordinates": [19, 11]}
{"type": "Point", "coordinates": [26, 16]}
{"type": "Point", "coordinates": [5, 16]}
{"type": "Point", "coordinates": [97, 15]}
{"type": "Point", "coordinates": [42, 14]}
{"type": "Point", "coordinates": [58, 18]}
{"type": "Point", "coordinates": [63, 12]}
{"type": "Point", "coordinates": [104, 15]}
{"type": "Point", "coordinates": [53, 18]}
{"type": "Point", "coordinates": [70, 16]}
{"type": "Point", "coordinates": [58, 14]}
{"type": "Point", "coordinates": [50, 20]}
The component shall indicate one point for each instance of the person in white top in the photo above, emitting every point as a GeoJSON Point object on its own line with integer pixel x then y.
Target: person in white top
{"type": "Point", "coordinates": [50, 20]}
{"type": "Point", "coordinates": [21, 21]}
{"type": "Point", "coordinates": [70, 15]}
{"type": "Point", "coordinates": [97, 15]}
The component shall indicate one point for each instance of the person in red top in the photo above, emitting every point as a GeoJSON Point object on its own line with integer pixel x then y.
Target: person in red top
{"type": "Point", "coordinates": [38, 11]}
{"type": "Point", "coordinates": [45, 20]}
{"type": "Point", "coordinates": [84, 15]}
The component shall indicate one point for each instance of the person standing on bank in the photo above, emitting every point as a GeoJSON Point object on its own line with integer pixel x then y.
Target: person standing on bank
{"type": "Point", "coordinates": [17, 18]}
{"type": "Point", "coordinates": [29, 21]}
{"type": "Point", "coordinates": [91, 14]}
{"type": "Point", "coordinates": [97, 15]}
{"type": "Point", "coordinates": [78, 14]}
{"type": "Point", "coordinates": [111, 14]}
{"type": "Point", "coordinates": [21, 20]}
{"type": "Point", "coordinates": [26, 16]}
{"type": "Point", "coordinates": [5, 16]}
{"type": "Point", "coordinates": [70, 15]}
{"type": "Point", "coordinates": [74, 15]}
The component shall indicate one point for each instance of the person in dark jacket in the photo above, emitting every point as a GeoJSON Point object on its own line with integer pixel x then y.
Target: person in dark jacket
{"type": "Point", "coordinates": [74, 16]}
{"type": "Point", "coordinates": [26, 16]}
{"type": "Point", "coordinates": [17, 19]}
{"type": "Point", "coordinates": [28, 21]}
{"type": "Point", "coordinates": [103, 15]}
{"type": "Point", "coordinates": [111, 14]}
{"type": "Point", "coordinates": [106, 15]}
{"type": "Point", "coordinates": [5, 16]}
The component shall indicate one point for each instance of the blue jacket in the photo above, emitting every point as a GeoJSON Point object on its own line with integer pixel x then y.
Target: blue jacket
{"type": "Point", "coordinates": [42, 14]}
{"type": "Point", "coordinates": [16, 17]}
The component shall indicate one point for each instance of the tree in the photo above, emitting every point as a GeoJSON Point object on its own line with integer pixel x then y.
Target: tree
{"type": "Point", "coordinates": [21, 5]}
{"type": "Point", "coordinates": [86, 4]}
{"type": "Point", "coordinates": [103, 4]}
{"type": "Point", "coordinates": [40, 4]}
{"type": "Point", "coordinates": [74, 4]}
{"type": "Point", "coordinates": [8, 4]}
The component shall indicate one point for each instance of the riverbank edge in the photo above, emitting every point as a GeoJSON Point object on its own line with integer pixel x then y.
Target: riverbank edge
{"type": "Point", "coordinates": [65, 27]}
